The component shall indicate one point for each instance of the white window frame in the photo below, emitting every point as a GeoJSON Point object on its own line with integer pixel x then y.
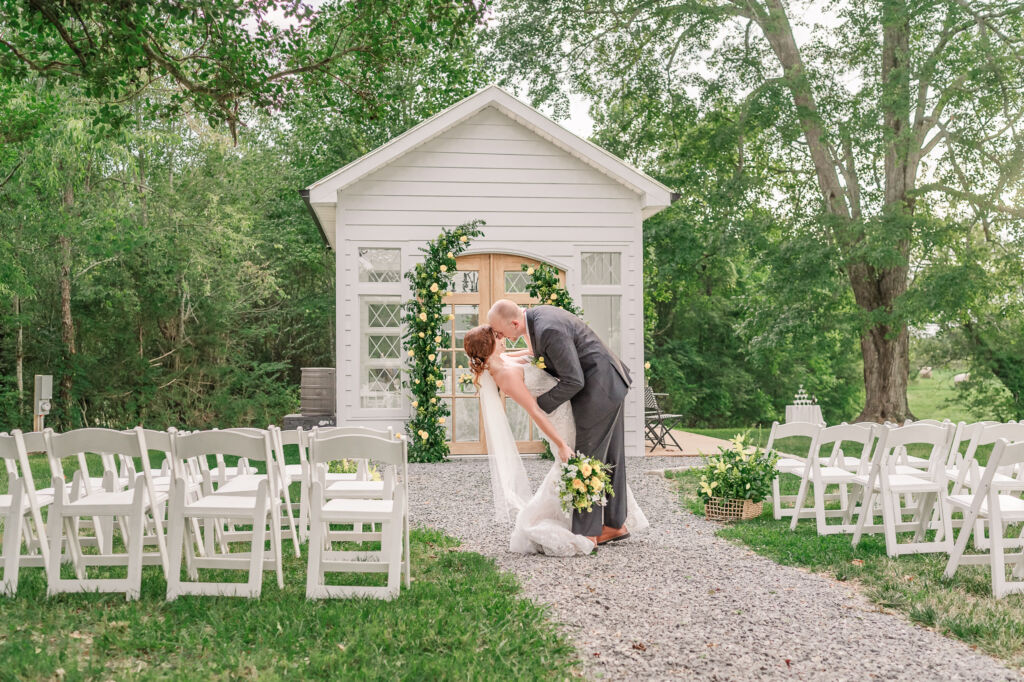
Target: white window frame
{"type": "Point", "coordinates": [401, 292]}
{"type": "Point", "coordinates": [618, 290]}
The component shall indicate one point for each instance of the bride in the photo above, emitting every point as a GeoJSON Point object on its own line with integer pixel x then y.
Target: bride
{"type": "Point", "coordinates": [540, 523]}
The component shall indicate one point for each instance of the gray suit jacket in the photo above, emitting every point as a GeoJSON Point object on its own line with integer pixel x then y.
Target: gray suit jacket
{"type": "Point", "coordinates": [588, 373]}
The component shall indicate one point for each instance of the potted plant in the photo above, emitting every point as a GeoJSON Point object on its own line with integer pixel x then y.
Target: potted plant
{"type": "Point", "coordinates": [735, 484]}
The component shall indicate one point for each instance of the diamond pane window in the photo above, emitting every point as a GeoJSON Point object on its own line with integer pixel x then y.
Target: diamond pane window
{"type": "Point", "coordinates": [383, 347]}
{"type": "Point", "coordinates": [384, 315]}
{"type": "Point", "coordinates": [382, 388]}
{"type": "Point", "coordinates": [516, 281]}
{"type": "Point", "coordinates": [601, 268]}
{"type": "Point", "coordinates": [381, 357]}
{"type": "Point", "coordinates": [380, 265]}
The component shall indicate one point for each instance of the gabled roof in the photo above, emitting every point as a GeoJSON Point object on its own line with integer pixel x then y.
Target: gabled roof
{"type": "Point", "coordinates": [321, 197]}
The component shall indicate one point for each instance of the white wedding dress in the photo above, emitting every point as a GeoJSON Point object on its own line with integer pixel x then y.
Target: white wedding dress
{"type": "Point", "coordinates": [541, 526]}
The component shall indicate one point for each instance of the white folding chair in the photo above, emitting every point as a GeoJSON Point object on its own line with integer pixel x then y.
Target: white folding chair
{"type": "Point", "coordinates": [130, 507]}
{"type": "Point", "coordinates": [361, 485]}
{"type": "Point", "coordinates": [970, 473]}
{"type": "Point", "coordinates": [247, 484]}
{"type": "Point", "coordinates": [822, 472]}
{"type": "Point", "coordinates": [926, 491]}
{"type": "Point", "coordinates": [21, 510]}
{"type": "Point", "coordinates": [791, 463]}
{"type": "Point", "coordinates": [914, 461]}
{"type": "Point", "coordinates": [987, 503]}
{"type": "Point", "coordinates": [261, 509]}
{"type": "Point", "coordinates": [391, 512]}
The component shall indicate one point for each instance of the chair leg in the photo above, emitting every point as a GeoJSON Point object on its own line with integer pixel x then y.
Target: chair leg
{"type": "Point", "coordinates": [12, 544]}
{"type": "Point", "coordinates": [820, 520]}
{"type": "Point", "coordinates": [176, 530]}
{"type": "Point", "coordinates": [407, 561]}
{"type": "Point", "coordinates": [776, 499]}
{"type": "Point", "coordinates": [259, 539]}
{"type": "Point", "coordinates": [134, 544]}
{"type": "Point", "coordinates": [316, 544]}
{"type": "Point", "coordinates": [801, 494]}
{"type": "Point", "coordinates": [889, 520]}
{"type": "Point", "coordinates": [997, 560]}
{"type": "Point", "coordinates": [866, 513]}
{"type": "Point", "coordinates": [276, 547]}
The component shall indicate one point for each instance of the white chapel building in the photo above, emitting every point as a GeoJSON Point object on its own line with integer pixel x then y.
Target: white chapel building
{"type": "Point", "coordinates": [545, 194]}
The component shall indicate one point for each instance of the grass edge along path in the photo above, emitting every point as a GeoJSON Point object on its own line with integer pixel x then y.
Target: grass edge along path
{"type": "Point", "coordinates": [913, 585]}
{"type": "Point", "coordinates": [463, 618]}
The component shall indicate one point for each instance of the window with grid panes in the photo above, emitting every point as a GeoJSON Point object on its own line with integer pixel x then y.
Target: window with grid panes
{"type": "Point", "coordinates": [381, 352]}
{"type": "Point", "coordinates": [602, 310]}
{"type": "Point", "coordinates": [380, 265]}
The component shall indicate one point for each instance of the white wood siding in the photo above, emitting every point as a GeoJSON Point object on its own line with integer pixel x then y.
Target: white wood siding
{"type": "Point", "coordinates": [535, 198]}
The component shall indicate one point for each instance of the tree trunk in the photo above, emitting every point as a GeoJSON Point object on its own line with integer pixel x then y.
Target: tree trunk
{"type": "Point", "coordinates": [884, 344]}
{"type": "Point", "coordinates": [19, 356]}
{"type": "Point", "coordinates": [67, 323]}
{"type": "Point", "coordinates": [885, 349]}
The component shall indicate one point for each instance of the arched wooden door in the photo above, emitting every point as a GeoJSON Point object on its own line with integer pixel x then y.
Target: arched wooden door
{"type": "Point", "coordinates": [481, 280]}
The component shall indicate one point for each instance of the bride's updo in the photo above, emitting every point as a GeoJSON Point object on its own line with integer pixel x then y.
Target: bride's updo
{"type": "Point", "coordinates": [479, 345]}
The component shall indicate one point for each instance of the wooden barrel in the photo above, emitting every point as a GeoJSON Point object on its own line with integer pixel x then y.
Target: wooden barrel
{"type": "Point", "coordinates": [317, 391]}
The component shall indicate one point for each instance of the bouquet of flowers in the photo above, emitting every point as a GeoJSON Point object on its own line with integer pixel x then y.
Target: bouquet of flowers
{"type": "Point", "coordinates": [738, 472]}
{"type": "Point", "coordinates": [584, 482]}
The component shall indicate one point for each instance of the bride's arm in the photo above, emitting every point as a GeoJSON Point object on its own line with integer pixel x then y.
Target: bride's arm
{"type": "Point", "coordinates": [514, 387]}
{"type": "Point", "coordinates": [517, 353]}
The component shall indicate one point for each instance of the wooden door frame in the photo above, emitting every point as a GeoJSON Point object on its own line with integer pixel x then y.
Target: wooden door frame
{"type": "Point", "coordinates": [490, 288]}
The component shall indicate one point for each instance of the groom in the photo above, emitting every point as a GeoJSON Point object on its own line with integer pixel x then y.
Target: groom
{"type": "Point", "coordinates": [595, 381]}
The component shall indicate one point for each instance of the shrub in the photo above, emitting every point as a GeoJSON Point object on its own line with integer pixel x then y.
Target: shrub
{"type": "Point", "coordinates": [738, 472]}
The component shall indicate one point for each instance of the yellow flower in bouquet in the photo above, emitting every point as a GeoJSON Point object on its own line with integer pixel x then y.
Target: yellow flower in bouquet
{"type": "Point", "coordinates": [583, 483]}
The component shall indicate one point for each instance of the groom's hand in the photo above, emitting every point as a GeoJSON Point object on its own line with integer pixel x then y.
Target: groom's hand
{"type": "Point", "coordinates": [564, 453]}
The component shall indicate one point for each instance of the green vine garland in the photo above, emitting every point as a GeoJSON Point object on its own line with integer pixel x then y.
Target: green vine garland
{"type": "Point", "coordinates": [546, 288]}
{"type": "Point", "coordinates": [426, 334]}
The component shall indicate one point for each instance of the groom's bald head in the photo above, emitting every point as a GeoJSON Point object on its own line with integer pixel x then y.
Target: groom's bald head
{"type": "Point", "coordinates": [507, 319]}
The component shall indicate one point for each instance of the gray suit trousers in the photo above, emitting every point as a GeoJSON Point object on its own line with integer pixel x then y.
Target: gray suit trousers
{"type": "Point", "coordinates": [605, 442]}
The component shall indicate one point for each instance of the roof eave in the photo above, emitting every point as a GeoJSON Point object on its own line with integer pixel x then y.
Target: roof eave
{"type": "Point", "coordinates": [304, 193]}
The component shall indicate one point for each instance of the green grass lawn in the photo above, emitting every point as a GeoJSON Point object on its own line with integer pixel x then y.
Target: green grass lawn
{"type": "Point", "coordinates": [913, 585]}
{"type": "Point", "coordinates": [462, 619]}
{"type": "Point", "coordinates": [936, 398]}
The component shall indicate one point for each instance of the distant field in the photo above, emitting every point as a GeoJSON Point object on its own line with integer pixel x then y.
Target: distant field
{"type": "Point", "coordinates": [929, 397]}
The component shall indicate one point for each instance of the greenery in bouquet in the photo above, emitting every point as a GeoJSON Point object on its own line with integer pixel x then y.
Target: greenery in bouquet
{"type": "Point", "coordinates": [738, 472]}
{"type": "Point", "coordinates": [584, 482]}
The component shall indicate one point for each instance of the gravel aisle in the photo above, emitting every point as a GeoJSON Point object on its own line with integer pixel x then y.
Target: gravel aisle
{"type": "Point", "coordinates": [678, 602]}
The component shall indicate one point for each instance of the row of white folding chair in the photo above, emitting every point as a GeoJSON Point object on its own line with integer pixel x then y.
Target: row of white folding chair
{"type": "Point", "coordinates": [803, 465]}
{"type": "Point", "coordinates": [838, 469]}
{"type": "Point", "coordinates": [247, 484]}
{"type": "Point", "coordinates": [85, 503]}
{"type": "Point", "coordinates": [301, 472]}
{"type": "Point", "coordinates": [987, 503]}
{"type": "Point", "coordinates": [131, 507]}
{"type": "Point", "coordinates": [902, 493]}
{"type": "Point", "coordinates": [353, 503]}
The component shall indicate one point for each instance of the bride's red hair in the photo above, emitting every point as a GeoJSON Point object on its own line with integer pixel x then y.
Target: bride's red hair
{"type": "Point", "coordinates": [479, 345]}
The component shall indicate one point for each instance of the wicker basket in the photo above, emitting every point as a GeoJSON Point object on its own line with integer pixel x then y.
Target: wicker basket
{"type": "Point", "coordinates": [725, 509]}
